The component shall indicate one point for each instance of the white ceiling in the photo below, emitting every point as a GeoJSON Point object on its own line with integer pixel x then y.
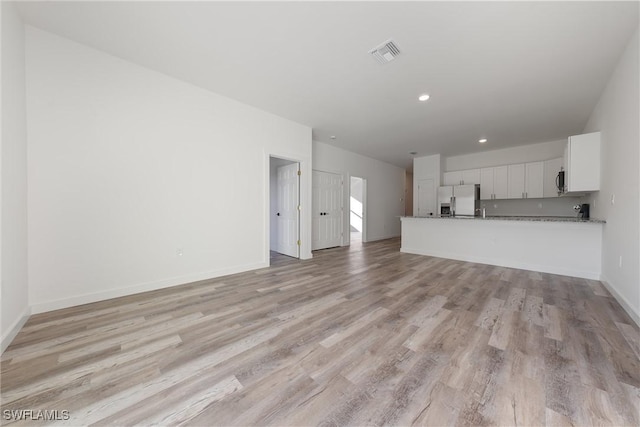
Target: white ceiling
{"type": "Point", "coordinates": [514, 72]}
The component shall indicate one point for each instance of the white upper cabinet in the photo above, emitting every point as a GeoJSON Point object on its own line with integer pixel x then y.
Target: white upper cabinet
{"type": "Point", "coordinates": [493, 183]}
{"type": "Point", "coordinates": [465, 177]}
{"type": "Point", "coordinates": [452, 178]}
{"type": "Point", "coordinates": [551, 169]}
{"type": "Point", "coordinates": [534, 180]}
{"type": "Point", "coordinates": [486, 183]}
{"type": "Point", "coordinates": [516, 181]}
{"type": "Point", "coordinates": [471, 176]}
{"type": "Point", "coordinates": [583, 163]}
{"type": "Point", "coordinates": [525, 180]}
{"type": "Point", "coordinates": [501, 182]}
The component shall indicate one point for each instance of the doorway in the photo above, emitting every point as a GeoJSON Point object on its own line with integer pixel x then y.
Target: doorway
{"type": "Point", "coordinates": [284, 215]}
{"type": "Point", "coordinates": [357, 210]}
{"type": "Point", "coordinates": [408, 194]}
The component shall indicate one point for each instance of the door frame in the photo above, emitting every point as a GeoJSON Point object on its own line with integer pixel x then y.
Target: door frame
{"type": "Point", "coordinates": [304, 218]}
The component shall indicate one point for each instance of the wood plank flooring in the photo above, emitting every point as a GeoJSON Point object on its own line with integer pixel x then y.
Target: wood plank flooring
{"type": "Point", "coordinates": [356, 336]}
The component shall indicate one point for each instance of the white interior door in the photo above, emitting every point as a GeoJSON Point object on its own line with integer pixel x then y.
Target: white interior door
{"type": "Point", "coordinates": [327, 210]}
{"type": "Point", "coordinates": [426, 197]}
{"type": "Point", "coordinates": [288, 213]}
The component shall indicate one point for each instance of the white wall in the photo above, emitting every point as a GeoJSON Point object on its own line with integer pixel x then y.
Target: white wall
{"type": "Point", "coordinates": [506, 156]}
{"type": "Point", "coordinates": [426, 167]}
{"type": "Point", "coordinates": [616, 116]}
{"type": "Point", "coordinates": [127, 165]}
{"type": "Point", "coordinates": [385, 189]}
{"type": "Point", "coordinates": [13, 229]}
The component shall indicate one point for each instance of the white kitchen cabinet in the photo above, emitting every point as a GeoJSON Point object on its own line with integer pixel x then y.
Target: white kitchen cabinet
{"type": "Point", "coordinates": [519, 181]}
{"type": "Point", "coordinates": [525, 180]}
{"type": "Point", "coordinates": [486, 183]}
{"type": "Point", "coordinates": [493, 183]}
{"type": "Point", "coordinates": [465, 177]}
{"type": "Point", "coordinates": [565, 163]}
{"type": "Point", "coordinates": [583, 163]}
{"type": "Point", "coordinates": [501, 182]}
{"type": "Point", "coordinates": [533, 180]}
{"type": "Point", "coordinates": [551, 169]}
{"type": "Point", "coordinates": [471, 176]}
{"type": "Point", "coordinates": [452, 178]}
{"type": "Point", "coordinates": [516, 180]}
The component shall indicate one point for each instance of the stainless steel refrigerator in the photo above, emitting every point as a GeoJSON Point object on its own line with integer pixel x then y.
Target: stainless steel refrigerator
{"type": "Point", "coordinates": [459, 200]}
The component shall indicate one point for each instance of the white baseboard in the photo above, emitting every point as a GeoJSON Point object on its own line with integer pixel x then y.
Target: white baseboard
{"type": "Point", "coordinates": [375, 239]}
{"type": "Point", "coordinates": [621, 300]}
{"type": "Point", "coordinates": [143, 287]}
{"type": "Point", "coordinates": [506, 263]}
{"type": "Point", "coordinates": [15, 328]}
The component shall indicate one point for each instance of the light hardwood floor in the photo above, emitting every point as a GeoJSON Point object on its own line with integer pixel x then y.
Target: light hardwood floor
{"type": "Point", "coordinates": [356, 336]}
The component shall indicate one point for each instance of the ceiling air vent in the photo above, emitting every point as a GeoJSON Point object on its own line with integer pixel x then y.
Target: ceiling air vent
{"type": "Point", "coordinates": [386, 52]}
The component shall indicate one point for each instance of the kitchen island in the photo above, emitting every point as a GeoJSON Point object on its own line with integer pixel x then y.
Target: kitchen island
{"type": "Point", "coordinates": [558, 245]}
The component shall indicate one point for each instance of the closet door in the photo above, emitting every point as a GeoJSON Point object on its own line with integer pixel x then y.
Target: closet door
{"type": "Point", "coordinates": [327, 210]}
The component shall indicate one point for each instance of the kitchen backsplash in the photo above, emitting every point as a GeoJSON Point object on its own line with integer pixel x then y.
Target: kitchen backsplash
{"type": "Point", "coordinates": [561, 206]}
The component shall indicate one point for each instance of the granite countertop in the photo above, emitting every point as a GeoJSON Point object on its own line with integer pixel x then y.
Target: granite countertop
{"type": "Point", "coordinates": [517, 218]}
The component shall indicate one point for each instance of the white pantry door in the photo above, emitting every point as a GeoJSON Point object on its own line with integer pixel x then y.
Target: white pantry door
{"type": "Point", "coordinates": [288, 213]}
{"type": "Point", "coordinates": [426, 197]}
{"type": "Point", "coordinates": [327, 210]}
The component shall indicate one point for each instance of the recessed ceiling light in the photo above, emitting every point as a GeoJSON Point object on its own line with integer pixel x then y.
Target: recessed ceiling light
{"type": "Point", "coordinates": [423, 97]}
{"type": "Point", "coordinates": [482, 141]}
{"type": "Point", "coordinates": [332, 137]}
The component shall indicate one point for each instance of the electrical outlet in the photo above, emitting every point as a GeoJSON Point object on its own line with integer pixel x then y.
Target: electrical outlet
{"type": "Point", "coordinates": [495, 206]}
{"type": "Point", "coordinates": [179, 252]}
{"type": "Point", "coordinates": [620, 262]}
{"type": "Point", "coordinates": [540, 205]}
{"type": "Point", "coordinates": [613, 199]}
